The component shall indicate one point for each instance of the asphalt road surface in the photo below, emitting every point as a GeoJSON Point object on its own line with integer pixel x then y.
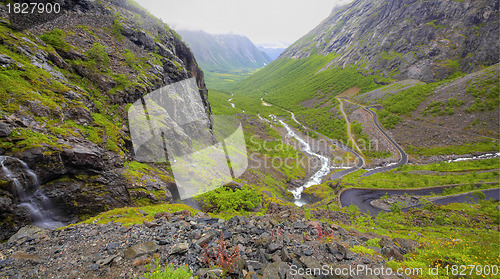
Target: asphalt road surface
{"type": "Point", "coordinates": [402, 153]}
{"type": "Point", "coordinates": [362, 197]}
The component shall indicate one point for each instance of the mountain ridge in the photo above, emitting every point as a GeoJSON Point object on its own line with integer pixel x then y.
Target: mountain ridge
{"type": "Point", "coordinates": [424, 40]}
{"type": "Point", "coordinates": [224, 52]}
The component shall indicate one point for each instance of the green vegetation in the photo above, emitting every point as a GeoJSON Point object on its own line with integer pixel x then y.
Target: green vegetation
{"type": "Point", "coordinates": [440, 108]}
{"type": "Point", "coordinates": [432, 24]}
{"type": "Point", "coordinates": [55, 38]}
{"type": "Point", "coordinates": [409, 99]}
{"type": "Point", "coordinates": [111, 130]}
{"type": "Point", "coordinates": [396, 207]}
{"type": "Point", "coordinates": [130, 58]}
{"type": "Point", "coordinates": [287, 83]}
{"type": "Point", "coordinates": [155, 271]}
{"type": "Point", "coordinates": [225, 80]}
{"type": "Point", "coordinates": [98, 54]}
{"type": "Point", "coordinates": [374, 242]}
{"type": "Point", "coordinates": [27, 138]}
{"type": "Point", "coordinates": [481, 146]}
{"type": "Point", "coordinates": [391, 55]}
{"type": "Point", "coordinates": [224, 199]}
{"type": "Point", "coordinates": [485, 90]}
{"type": "Point", "coordinates": [465, 188]}
{"type": "Point", "coordinates": [362, 249]}
{"type": "Point", "coordinates": [117, 28]}
{"type": "Point", "coordinates": [470, 243]}
{"type": "Point", "coordinates": [132, 215]}
{"type": "Point", "coordinates": [219, 102]}
{"type": "Point", "coordinates": [388, 119]}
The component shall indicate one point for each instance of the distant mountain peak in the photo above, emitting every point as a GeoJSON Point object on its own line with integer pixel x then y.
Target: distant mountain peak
{"type": "Point", "coordinates": [224, 52]}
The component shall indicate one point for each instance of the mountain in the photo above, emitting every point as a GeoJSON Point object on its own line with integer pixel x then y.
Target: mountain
{"type": "Point", "coordinates": [367, 45]}
{"type": "Point", "coordinates": [424, 40]}
{"type": "Point", "coordinates": [271, 52]}
{"type": "Point", "coordinates": [66, 85]}
{"type": "Point", "coordinates": [224, 52]}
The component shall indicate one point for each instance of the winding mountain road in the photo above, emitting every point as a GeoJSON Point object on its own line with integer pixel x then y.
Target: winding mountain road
{"type": "Point", "coordinates": [402, 154]}
{"type": "Point", "coordinates": [362, 198]}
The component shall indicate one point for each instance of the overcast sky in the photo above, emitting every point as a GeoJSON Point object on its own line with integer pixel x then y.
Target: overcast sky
{"type": "Point", "coordinates": [263, 21]}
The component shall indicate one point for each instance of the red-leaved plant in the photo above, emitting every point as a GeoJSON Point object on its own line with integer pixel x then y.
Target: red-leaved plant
{"type": "Point", "coordinates": [225, 257]}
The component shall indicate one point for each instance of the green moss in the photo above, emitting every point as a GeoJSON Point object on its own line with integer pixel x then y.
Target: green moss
{"type": "Point", "coordinates": [113, 133]}
{"type": "Point", "coordinates": [131, 215]}
{"type": "Point", "coordinates": [362, 249]}
{"type": "Point", "coordinates": [55, 38]}
{"type": "Point", "coordinates": [99, 56]}
{"type": "Point", "coordinates": [179, 67]}
{"type": "Point", "coordinates": [117, 28]}
{"type": "Point", "coordinates": [391, 55]}
{"type": "Point", "coordinates": [433, 25]}
{"type": "Point", "coordinates": [29, 138]}
{"type": "Point", "coordinates": [453, 64]}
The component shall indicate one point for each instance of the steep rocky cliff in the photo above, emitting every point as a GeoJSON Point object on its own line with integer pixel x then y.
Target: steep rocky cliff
{"type": "Point", "coordinates": [66, 85]}
{"type": "Point", "coordinates": [415, 39]}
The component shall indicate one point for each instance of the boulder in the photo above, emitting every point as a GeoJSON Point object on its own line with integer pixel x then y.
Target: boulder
{"type": "Point", "coordinates": [29, 231]}
{"type": "Point", "coordinates": [19, 255]}
{"type": "Point", "coordinates": [275, 270]}
{"type": "Point", "coordinates": [179, 248]}
{"type": "Point", "coordinates": [141, 249]}
{"type": "Point", "coordinates": [4, 130]}
{"type": "Point", "coordinates": [5, 60]}
{"type": "Point", "coordinates": [405, 245]}
{"type": "Point", "coordinates": [209, 273]}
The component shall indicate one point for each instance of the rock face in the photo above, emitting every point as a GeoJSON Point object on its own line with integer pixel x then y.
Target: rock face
{"type": "Point", "coordinates": [407, 39]}
{"type": "Point", "coordinates": [68, 120]}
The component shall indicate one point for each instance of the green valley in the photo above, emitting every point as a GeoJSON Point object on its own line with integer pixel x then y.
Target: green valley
{"type": "Point", "coordinates": [130, 150]}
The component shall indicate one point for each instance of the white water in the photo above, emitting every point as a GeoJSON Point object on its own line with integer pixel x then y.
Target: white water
{"type": "Point", "coordinates": [231, 102]}
{"type": "Point", "coordinates": [385, 166]}
{"type": "Point", "coordinates": [264, 103]}
{"type": "Point", "coordinates": [316, 178]}
{"type": "Point", "coordinates": [484, 156]}
{"type": "Point", "coordinates": [263, 119]}
{"type": "Point", "coordinates": [32, 197]}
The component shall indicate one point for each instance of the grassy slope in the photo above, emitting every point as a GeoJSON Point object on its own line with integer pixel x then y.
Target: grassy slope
{"type": "Point", "coordinates": [263, 144]}
{"type": "Point", "coordinates": [448, 101]}
{"type": "Point", "coordinates": [287, 82]}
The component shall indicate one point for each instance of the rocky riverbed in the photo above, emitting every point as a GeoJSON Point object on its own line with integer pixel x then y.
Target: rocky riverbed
{"type": "Point", "coordinates": [269, 246]}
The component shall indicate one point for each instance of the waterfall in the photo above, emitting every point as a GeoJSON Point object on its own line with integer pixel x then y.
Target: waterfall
{"type": "Point", "coordinates": [31, 196]}
{"type": "Point", "coordinates": [318, 176]}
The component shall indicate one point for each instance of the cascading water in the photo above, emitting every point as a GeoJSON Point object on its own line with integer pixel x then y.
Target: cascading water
{"type": "Point", "coordinates": [316, 178]}
{"type": "Point", "coordinates": [31, 196]}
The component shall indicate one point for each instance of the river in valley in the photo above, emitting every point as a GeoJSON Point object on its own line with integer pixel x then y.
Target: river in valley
{"type": "Point", "coordinates": [316, 177]}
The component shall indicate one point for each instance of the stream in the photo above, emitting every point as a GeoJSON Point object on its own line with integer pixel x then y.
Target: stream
{"type": "Point", "coordinates": [317, 177]}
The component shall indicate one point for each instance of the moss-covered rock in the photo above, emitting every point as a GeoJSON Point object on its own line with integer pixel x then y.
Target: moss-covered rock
{"type": "Point", "coordinates": [64, 105]}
